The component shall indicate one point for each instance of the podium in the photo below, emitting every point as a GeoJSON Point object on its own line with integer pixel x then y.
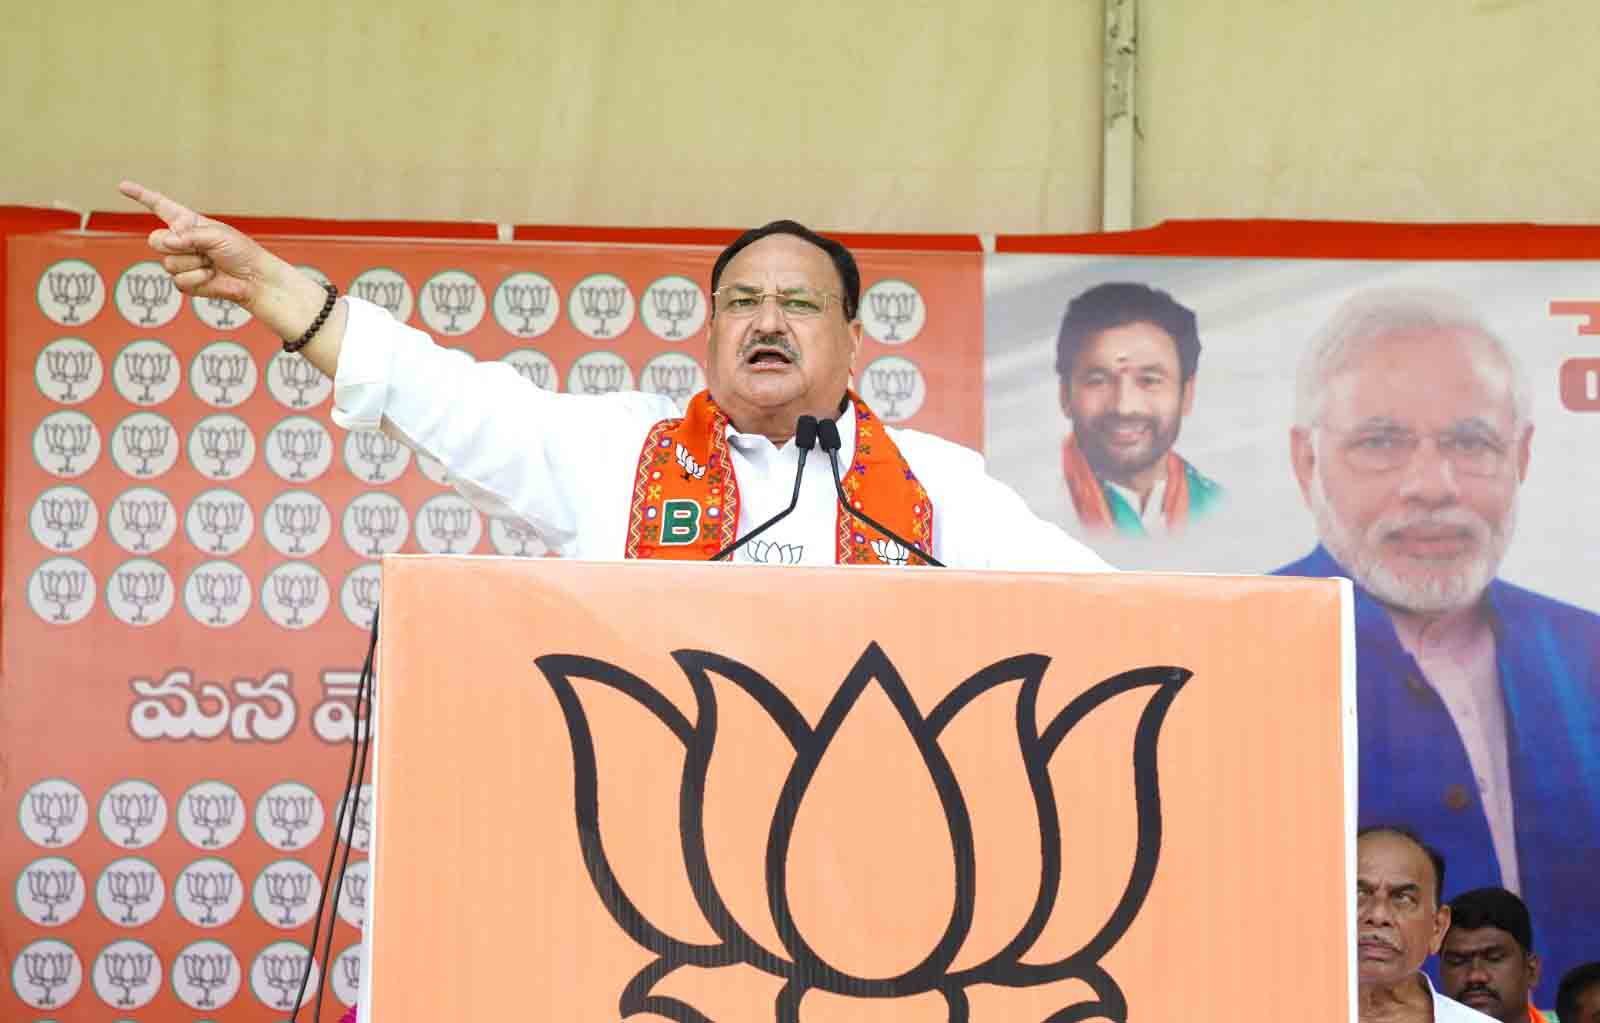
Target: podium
{"type": "Point", "coordinates": [752, 793]}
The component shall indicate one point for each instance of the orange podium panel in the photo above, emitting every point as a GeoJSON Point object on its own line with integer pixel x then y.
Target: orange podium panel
{"type": "Point", "coordinates": [839, 795]}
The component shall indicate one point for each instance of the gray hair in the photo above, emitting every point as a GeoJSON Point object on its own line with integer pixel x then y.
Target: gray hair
{"type": "Point", "coordinates": [1375, 316]}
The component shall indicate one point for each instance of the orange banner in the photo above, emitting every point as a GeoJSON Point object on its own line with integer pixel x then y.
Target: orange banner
{"type": "Point", "coordinates": [863, 795]}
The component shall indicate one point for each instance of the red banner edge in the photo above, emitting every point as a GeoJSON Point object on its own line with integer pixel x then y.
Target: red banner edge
{"type": "Point", "coordinates": [1324, 239]}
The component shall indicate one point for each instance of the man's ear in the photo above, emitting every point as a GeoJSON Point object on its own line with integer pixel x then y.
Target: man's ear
{"type": "Point", "coordinates": [1535, 965]}
{"type": "Point", "coordinates": [1524, 452]}
{"type": "Point", "coordinates": [1066, 397]}
{"type": "Point", "coordinates": [1188, 396]}
{"type": "Point", "coordinates": [1303, 458]}
{"type": "Point", "coordinates": [1441, 927]}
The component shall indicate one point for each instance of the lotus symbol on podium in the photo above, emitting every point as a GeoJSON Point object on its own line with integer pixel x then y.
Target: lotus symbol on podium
{"type": "Point", "coordinates": [786, 948]}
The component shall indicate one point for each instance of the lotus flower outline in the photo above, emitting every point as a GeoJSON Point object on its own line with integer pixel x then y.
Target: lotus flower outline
{"type": "Point", "coordinates": [797, 963]}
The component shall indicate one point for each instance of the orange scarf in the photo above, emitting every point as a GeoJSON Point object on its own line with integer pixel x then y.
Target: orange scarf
{"type": "Point", "coordinates": [1089, 496]}
{"type": "Point", "coordinates": [686, 499]}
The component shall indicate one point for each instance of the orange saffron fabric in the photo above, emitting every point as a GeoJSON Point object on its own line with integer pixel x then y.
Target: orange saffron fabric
{"type": "Point", "coordinates": [1089, 496]}
{"type": "Point", "coordinates": [686, 499]}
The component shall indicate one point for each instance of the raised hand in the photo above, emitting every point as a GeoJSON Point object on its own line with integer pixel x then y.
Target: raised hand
{"type": "Point", "coordinates": [210, 259]}
{"type": "Point", "coordinates": [205, 257]}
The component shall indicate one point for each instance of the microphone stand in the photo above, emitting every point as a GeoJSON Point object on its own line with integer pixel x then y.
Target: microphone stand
{"type": "Point", "coordinates": [828, 438]}
{"type": "Point", "coordinates": [805, 438]}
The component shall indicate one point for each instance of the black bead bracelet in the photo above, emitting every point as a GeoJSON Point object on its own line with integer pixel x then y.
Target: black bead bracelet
{"type": "Point", "coordinates": [316, 324]}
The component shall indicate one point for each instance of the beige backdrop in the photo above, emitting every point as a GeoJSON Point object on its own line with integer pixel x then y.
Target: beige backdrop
{"type": "Point", "coordinates": [939, 115]}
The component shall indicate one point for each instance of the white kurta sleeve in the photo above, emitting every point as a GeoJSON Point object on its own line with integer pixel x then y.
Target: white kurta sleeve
{"type": "Point", "coordinates": [508, 445]}
{"type": "Point", "coordinates": [979, 522]}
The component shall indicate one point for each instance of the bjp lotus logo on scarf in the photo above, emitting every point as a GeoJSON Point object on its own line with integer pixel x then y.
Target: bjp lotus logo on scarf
{"type": "Point", "coordinates": [774, 878]}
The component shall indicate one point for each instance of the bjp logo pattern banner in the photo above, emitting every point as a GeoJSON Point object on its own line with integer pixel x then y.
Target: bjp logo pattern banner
{"type": "Point", "coordinates": [192, 560]}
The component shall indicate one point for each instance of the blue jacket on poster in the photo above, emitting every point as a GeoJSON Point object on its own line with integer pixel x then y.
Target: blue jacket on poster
{"type": "Point", "coordinates": [1414, 769]}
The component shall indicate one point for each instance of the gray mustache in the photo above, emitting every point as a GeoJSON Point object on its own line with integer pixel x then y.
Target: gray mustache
{"type": "Point", "coordinates": [778, 341]}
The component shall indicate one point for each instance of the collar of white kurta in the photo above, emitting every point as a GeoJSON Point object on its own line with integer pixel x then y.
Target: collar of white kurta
{"type": "Point", "coordinates": [685, 504]}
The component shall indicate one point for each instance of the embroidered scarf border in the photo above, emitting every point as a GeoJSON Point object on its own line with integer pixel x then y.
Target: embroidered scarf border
{"type": "Point", "coordinates": [685, 471]}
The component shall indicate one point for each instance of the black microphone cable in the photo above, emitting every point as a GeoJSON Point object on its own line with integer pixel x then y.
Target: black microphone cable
{"type": "Point", "coordinates": [828, 438]}
{"type": "Point", "coordinates": [360, 744]}
{"type": "Point", "coordinates": [805, 438]}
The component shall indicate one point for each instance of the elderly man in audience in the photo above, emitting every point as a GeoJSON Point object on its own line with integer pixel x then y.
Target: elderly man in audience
{"type": "Point", "coordinates": [1400, 922]}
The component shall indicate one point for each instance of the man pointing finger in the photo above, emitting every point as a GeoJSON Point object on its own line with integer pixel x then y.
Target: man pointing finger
{"type": "Point", "coordinates": [599, 476]}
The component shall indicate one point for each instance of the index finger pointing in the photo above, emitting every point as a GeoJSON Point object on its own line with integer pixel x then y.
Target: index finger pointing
{"type": "Point", "coordinates": [177, 215]}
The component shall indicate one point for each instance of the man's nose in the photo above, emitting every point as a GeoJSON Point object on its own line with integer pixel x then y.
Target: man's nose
{"type": "Point", "coordinates": [769, 318]}
{"type": "Point", "coordinates": [1430, 478]}
{"type": "Point", "coordinates": [1371, 910]}
{"type": "Point", "coordinates": [1129, 400]}
{"type": "Point", "coordinates": [1478, 970]}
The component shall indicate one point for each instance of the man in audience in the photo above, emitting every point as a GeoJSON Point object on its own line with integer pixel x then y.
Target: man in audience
{"type": "Point", "coordinates": [1487, 960]}
{"type": "Point", "coordinates": [1399, 924]}
{"type": "Point", "coordinates": [1479, 701]}
{"type": "Point", "coordinates": [1578, 997]}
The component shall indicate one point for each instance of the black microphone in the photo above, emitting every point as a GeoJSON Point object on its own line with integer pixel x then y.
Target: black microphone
{"type": "Point", "coordinates": [828, 437]}
{"type": "Point", "coordinates": [805, 438]}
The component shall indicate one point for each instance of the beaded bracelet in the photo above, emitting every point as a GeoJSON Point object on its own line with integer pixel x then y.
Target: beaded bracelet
{"type": "Point", "coordinates": [316, 324]}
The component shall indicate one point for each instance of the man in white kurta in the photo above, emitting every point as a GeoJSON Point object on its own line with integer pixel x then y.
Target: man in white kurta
{"type": "Point", "coordinates": [1400, 922]}
{"type": "Point", "coordinates": [565, 463]}
{"type": "Point", "coordinates": [783, 341]}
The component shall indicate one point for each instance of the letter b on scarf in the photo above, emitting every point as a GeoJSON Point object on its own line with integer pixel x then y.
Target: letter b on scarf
{"type": "Point", "coordinates": [680, 522]}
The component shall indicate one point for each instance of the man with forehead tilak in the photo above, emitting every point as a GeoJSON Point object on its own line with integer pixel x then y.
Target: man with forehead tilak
{"type": "Point", "coordinates": [1127, 355]}
{"type": "Point", "coordinates": [1400, 922]}
{"type": "Point", "coordinates": [626, 474]}
{"type": "Point", "coordinates": [1478, 700]}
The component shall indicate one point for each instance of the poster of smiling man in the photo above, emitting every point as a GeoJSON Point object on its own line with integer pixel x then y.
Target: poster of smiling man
{"type": "Point", "coordinates": [1425, 429]}
{"type": "Point", "coordinates": [1127, 355]}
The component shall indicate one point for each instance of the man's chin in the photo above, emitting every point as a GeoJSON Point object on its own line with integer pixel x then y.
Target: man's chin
{"type": "Point", "coordinates": [767, 389]}
{"type": "Point", "coordinates": [1428, 587]}
{"type": "Point", "coordinates": [1382, 974]}
{"type": "Point", "coordinates": [1120, 466]}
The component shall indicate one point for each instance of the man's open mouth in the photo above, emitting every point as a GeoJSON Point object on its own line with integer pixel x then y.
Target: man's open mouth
{"type": "Point", "coordinates": [766, 356]}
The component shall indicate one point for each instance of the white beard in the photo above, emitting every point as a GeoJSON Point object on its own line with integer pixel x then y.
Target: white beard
{"type": "Point", "coordinates": [1429, 589]}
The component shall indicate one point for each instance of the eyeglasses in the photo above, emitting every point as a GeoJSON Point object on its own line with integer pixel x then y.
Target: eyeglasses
{"type": "Point", "coordinates": [1471, 450]}
{"type": "Point", "coordinates": [740, 301]}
